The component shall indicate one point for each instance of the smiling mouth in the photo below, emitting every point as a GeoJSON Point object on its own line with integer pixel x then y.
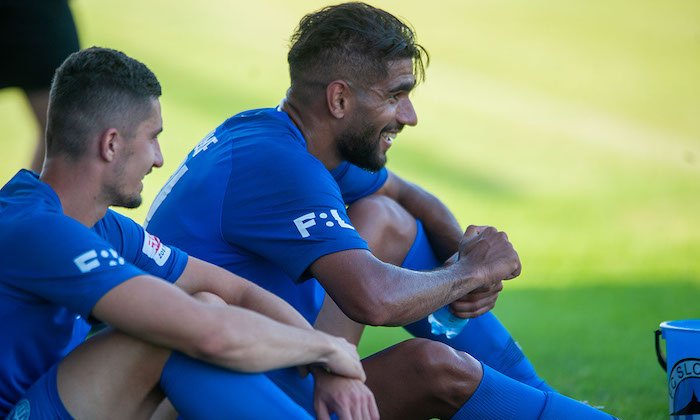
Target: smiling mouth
{"type": "Point", "coordinates": [388, 137]}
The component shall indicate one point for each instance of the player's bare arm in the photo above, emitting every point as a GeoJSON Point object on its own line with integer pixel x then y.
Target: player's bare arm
{"type": "Point", "coordinates": [150, 309]}
{"type": "Point", "coordinates": [333, 393]}
{"type": "Point", "coordinates": [201, 276]}
{"type": "Point", "coordinates": [444, 233]}
{"type": "Point", "coordinates": [486, 257]}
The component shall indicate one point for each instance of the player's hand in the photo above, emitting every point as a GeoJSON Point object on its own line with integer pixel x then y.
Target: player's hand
{"type": "Point", "coordinates": [349, 399]}
{"type": "Point", "coordinates": [478, 301]}
{"type": "Point", "coordinates": [343, 359]}
{"type": "Point", "coordinates": [488, 255]}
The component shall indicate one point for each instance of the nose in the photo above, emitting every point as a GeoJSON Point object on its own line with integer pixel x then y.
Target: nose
{"type": "Point", "coordinates": [407, 114]}
{"type": "Point", "coordinates": [157, 156]}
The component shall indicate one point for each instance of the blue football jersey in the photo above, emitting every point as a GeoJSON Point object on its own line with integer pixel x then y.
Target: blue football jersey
{"type": "Point", "coordinates": [53, 270]}
{"type": "Point", "coordinates": [251, 198]}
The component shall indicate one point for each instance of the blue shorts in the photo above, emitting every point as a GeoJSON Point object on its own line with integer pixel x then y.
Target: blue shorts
{"type": "Point", "coordinates": [41, 400]}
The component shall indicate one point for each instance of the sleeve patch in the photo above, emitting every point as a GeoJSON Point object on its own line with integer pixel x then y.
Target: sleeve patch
{"type": "Point", "coordinates": [155, 250]}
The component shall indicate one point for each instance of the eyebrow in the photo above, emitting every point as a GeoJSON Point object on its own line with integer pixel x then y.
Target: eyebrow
{"type": "Point", "coordinates": [405, 86]}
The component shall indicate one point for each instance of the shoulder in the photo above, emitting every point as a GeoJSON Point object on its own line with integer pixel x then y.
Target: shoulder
{"type": "Point", "coordinates": [270, 150]}
{"type": "Point", "coordinates": [47, 241]}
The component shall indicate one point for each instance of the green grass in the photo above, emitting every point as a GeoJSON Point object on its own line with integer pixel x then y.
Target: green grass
{"type": "Point", "coordinates": [574, 126]}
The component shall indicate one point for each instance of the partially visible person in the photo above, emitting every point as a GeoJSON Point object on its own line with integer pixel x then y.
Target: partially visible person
{"type": "Point", "coordinates": [182, 328]}
{"type": "Point", "coordinates": [264, 195]}
{"type": "Point", "coordinates": [35, 37]}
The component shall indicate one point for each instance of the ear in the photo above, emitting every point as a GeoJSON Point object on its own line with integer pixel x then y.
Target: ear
{"type": "Point", "coordinates": [109, 144]}
{"type": "Point", "coordinates": [337, 98]}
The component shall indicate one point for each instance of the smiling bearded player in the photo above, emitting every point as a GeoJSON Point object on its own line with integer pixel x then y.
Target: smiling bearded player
{"type": "Point", "coordinates": [264, 195]}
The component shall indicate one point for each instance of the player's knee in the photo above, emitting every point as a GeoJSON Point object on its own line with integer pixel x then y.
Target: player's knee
{"type": "Point", "coordinates": [386, 226]}
{"type": "Point", "coordinates": [452, 376]}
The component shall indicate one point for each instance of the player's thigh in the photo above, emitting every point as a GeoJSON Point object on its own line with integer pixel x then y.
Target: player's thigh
{"type": "Point", "coordinates": [112, 374]}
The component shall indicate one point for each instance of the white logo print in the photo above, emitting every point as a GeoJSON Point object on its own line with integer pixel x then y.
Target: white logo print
{"type": "Point", "coordinates": [204, 143]}
{"type": "Point", "coordinates": [155, 250]}
{"type": "Point", "coordinates": [21, 411]}
{"type": "Point", "coordinates": [303, 223]}
{"type": "Point", "coordinates": [90, 260]}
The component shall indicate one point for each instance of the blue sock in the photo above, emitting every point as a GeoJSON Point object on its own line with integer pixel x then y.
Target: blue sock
{"type": "Point", "coordinates": [500, 397]}
{"type": "Point", "coordinates": [484, 337]}
{"type": "Point", "coordinates": [487, 340]}
{"type": "Point", "coordinates": [204, 391]}
{"type": "Point", "coordinates": [560, 406]}
{"type": "Point", "coordinates": [503, 398]}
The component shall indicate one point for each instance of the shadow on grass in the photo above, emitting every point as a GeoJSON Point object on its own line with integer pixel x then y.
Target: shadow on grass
{"type": "Point", "coordinates": [593, 343]}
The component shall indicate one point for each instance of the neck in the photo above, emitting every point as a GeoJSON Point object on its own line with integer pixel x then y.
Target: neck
{"type": "Point", "coordinates": [317, 131]}
{"type": "Point", "coordinates": [77, 185]}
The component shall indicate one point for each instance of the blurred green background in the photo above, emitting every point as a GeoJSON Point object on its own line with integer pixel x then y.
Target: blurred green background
{"type": "Point", "coordinates": [574, 126]}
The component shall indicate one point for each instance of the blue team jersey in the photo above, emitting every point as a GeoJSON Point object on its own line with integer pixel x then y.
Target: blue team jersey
{"type": "Point", "coordinates": [251, 198]}
{"type": "Point", "coordinates": [53, 270]}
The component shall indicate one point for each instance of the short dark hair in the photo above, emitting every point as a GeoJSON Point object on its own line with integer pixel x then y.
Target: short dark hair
{"type": "Point", "coordinates": [95, 89]}
{"type": "Point", "coordinates": [351, 40]}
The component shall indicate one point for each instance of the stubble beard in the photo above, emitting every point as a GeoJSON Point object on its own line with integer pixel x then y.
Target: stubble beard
{"type": "Point", "coordinates": [118, 198]}
{"type": "Point", "coordinates": [361, 147]}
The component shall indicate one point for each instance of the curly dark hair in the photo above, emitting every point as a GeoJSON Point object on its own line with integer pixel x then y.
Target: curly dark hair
{"type": "Point", "coordinates": [95, 89]}
{"type": "Point", "coordinates": [351, 40]}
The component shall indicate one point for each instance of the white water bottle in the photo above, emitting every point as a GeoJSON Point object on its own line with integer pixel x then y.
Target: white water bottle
{"type": "Point", "coordinates": [443, 321]}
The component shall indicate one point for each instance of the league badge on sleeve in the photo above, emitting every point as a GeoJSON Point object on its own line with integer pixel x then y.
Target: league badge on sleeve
{"type": "Point", "coordinates": [155, 250]}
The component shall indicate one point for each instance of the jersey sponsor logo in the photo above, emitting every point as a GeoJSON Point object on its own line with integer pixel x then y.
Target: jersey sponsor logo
{"type": "Point", "coordinates": [155, 249]}
{"type": "Point", "coordinates": [305, 222]}
{"type": "Point", "coordinates": [90, 260]}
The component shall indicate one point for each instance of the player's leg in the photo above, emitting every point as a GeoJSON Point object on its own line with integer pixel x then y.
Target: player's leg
{"type": "Point", "coordinates": [48, 36]}
{"type": "Point", "coordinates": [420, 378]}
{"type": "Point", "coordinates": [394, 236]}
{"type": "Point", "coordinates": [39, 102]}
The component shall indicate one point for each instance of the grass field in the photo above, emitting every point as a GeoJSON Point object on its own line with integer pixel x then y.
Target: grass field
{"type": "Point", "coordinates": [574, 126]}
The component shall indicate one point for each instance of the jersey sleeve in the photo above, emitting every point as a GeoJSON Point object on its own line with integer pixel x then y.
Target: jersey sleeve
{"type": "Point", "coordinates": [356, 183]}
{"type": "Point", "coordinates": [55, 258]}
{"type": "Point", "coordinates": [140, 248]}
{"type": "Point", "coordinates": [284, 206]}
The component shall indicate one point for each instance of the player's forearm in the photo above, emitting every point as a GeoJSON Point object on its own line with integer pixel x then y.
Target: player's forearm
{"type": "Point", "coordinates": [200, 276]}
{"type": "Point", "coordinates": [260, 300]}
{"type": "Point", "coordinates": [333, 321]}
{"type": "Point", "coordinates": [156, 312]}
{"type": "Point", "coordinates": [249, 342]}
{"type": "Point", "coordinates": [383, 294]}
{"type": "Point", "coordinates": [422, 293]}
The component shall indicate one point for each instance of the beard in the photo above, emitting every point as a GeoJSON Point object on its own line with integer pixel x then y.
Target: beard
{"type": "Point", "coordinates": [118, 198]}
{"type": "Point", "coordinates": [361, 147]}
{"type": "Point", "coordinates": [129, 202]}
{"type": "Point", "coordinates": [117, 193]}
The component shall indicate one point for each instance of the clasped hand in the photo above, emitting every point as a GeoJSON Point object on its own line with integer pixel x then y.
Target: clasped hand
{"type": "Point", "coordinates": [489, 258]}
